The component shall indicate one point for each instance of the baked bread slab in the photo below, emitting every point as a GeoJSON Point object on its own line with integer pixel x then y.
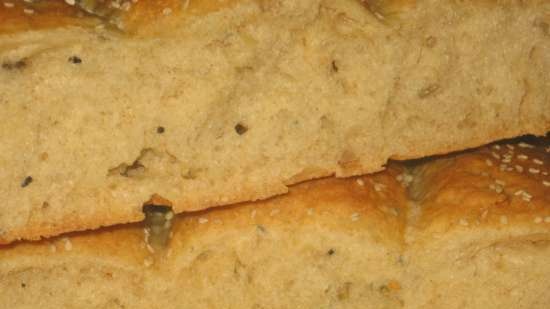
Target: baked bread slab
{"type": "Point", "coordinates": [208, 105]}
{"type": "Point", "coordinates": [438, 235]}
{"type": "Point", "coordinates": [313, 248]}
{"type": "Point", "coordinates": [480, 227]}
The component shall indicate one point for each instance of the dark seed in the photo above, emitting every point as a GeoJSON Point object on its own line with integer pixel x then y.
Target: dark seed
{"type": "Point", "coordinates": [240, 129]}
{"type": "Point", "coordinates": [75, 59]}
{"type": "Point", "coordinates": [27, 181]}
{"type": "Point", "coordinates": [160, 130]}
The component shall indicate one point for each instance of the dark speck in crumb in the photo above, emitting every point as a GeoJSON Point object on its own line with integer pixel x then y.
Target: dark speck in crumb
{"type": "Point", "coordinates": [23, 285]}
{"type": "Point", "coordinates": [240, 128]}
{"type": "Point", "coordinates": [334, 66]}
{"type": "Point", "coordinates": [160, 130]}
{"type": "Point", "coordinates": [17, 65]}
{"type": "Point", "coordinates": [27, 181]}
{"type": "Point", "coordinates": [75, 59]}
{"type": "Point", "coordinates": [331, 252]}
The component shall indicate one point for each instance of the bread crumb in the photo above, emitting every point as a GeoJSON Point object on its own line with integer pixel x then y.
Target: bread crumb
{"type": "Point", "coordinates": [360, 182]}
{"type": "Point", "coordinates": [354, 216]}
{"type": "Point", "coordinates": [203, 220]}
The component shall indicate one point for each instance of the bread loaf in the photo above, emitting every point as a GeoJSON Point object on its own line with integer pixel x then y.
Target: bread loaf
{"type": "Point", "coordinates": [192, 104]}
{"type": "Point", "coordinates": [457, 232]}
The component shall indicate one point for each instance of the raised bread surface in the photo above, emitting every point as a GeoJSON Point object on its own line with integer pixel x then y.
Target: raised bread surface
{"type": "Point", "coordinates": [312, 248]}
{"type": "Point", "coordinates": [205, 105]}
{"type": "Point", "coordinates": [439, 235]}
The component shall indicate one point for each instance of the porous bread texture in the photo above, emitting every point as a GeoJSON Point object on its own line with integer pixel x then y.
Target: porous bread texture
{"type": "Point", "coordinates": [430, 237]}
{"type": "Point", "coordinates": [237, 103]}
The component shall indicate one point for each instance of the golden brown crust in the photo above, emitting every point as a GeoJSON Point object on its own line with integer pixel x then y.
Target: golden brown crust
{"type": "Point", "coordinates": [501, 184]}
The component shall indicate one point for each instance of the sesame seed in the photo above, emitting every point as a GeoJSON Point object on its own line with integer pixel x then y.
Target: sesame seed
{"type": "Point", "coordinates": [546, 183]}
{"type": "Point", "coordinates": [537, 161]}
{"type": "Point", "coordinates": [495, 155]}
{"type": "Point", "coordinates": [506, 160]}
{"type": "Point", "coordinates": [253, 214]}
{"type": "Point", "coordinates": [547, 149]}
{"type": "Point", "coordinates": [9, 4]}
{"type": "Point", "coordinates": [534, 170]}
{"type": "Point", "coordinates": [519, 168]}
{"type": "Point", "coordinates": [167, 11]}
{"type": "Point", "coordinates": [203, 220]}
{"type": "Point", "coordinates": [503, 167]}
{"type": "Point", "coordinates": [489, 162]}
{"type": "Point", "coordinates": [511, 147]}
{"type": "Point", "coordinates": [169, 215]}
{"type": "Point", "coordinates": [70, 2]}
{"type": "Point", "coordinates": [519, 192]}
{"type": "Point", "coordinates": [525, 145]}
{"type": "Point", "coordinates": [500, 182]}
{"type": "Point", "coordinates": [463, 222]}
{"type": "Point", "coordinates": [545, 173]}
{"type": "Point", "coordinates": [497, 147]}
{"type": "Point", "coordinates": [147, 262]}
{"type": "Point", "coordinates": [503, 220]}
{"type": "Point", "coordinates": [125, 6]}
{"type": "Point", "coordinates": [522, 157]}
{"type": "Point", "coordinates": [484, 214]}
{"type": "Point", "coordinates": [28, 11]}
{"type": "Point", "coordinates": [537, 220]}
{"type": "Point", "coordinates": [360, 182]}
{"type": "Point", "coordinates": [379, 187]}
{"type": "Point", "coordinates": [354, 216]}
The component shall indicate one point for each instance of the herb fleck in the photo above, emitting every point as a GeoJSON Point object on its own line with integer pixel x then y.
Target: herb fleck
{"type": "Point", "coordinates": [75, 59]}
{"type": "Point", "coordinates": [18, 65]}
